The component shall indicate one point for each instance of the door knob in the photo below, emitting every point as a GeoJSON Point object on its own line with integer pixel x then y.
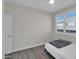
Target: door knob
{"type": "Point", "coordinates": [9, 36]}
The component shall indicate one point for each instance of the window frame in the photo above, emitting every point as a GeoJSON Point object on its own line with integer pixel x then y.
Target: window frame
{"type": "Point", "coordinates": [64, 32]}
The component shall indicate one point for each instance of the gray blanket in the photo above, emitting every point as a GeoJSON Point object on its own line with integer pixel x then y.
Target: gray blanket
{"type": "Point", "coordinates": [60, 43]}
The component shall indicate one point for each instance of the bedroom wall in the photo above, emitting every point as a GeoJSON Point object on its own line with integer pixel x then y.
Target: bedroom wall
{"type": "Point", "coordinates": [33, 27]}
{"type": "Point", "coordinates": [70, 37]}
{"type": "Point", "coordinates": [30, 27]}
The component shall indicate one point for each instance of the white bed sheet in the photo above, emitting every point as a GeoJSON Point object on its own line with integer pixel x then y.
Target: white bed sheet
{"type": "Point", "coordinates": [68, 52]}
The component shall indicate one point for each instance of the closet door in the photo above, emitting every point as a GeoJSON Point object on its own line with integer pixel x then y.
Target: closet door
{"type": "Point", "coordinates": [8, 33]}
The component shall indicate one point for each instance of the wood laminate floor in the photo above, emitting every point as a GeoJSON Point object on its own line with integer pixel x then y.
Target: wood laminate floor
{"type": "Point", "coordinates": [32, 53]}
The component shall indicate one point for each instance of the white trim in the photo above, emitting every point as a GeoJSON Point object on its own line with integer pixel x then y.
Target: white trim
{"type": "Point", "coordinates": [64, 33]}
{"type": "Point", "coordinates": [27, 47]}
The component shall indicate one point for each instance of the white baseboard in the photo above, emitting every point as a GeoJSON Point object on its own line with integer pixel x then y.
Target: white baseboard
{"type": "Point", "coordinates": [28, 47]}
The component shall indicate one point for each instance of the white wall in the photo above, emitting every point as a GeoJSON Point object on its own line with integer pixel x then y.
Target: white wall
{"type": "Point", "coordinates": [70, 37]}
{"type": "Point", "coordinates": [30, 27]}
{"type": "Point", "coordinates": [33, 27]}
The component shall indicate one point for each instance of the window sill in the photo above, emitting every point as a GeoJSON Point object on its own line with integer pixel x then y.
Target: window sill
{"type": "Point", "coordinates": [67, 34]}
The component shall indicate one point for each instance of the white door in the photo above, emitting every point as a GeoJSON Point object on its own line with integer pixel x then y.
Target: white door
{"type": "Point", "coordinates": [8, 33]}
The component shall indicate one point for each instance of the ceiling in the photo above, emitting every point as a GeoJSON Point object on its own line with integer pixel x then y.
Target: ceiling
{"type": "Point", "coordinates": [44, 4]}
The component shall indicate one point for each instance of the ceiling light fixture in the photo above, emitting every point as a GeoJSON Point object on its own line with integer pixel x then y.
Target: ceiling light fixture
{"type": "Point", "coordinates": [51, 1]}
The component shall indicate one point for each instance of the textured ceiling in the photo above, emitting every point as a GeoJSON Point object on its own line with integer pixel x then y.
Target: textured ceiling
{"type": "Point", "coordinates": [43, 4]}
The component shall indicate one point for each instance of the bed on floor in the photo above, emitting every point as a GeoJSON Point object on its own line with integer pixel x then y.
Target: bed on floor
{"type": "Point", "coordinates": [61, 49]}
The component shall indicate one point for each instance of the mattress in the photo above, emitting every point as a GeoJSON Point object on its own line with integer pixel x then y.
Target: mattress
{"type": "Point", "coordinates": [67, 52]}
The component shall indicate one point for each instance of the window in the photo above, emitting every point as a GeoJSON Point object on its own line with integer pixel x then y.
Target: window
{"type": "Point", "coordinates": [71, 22]}
{"type": "Point", "coordinates": [60, 23]}
{"type": "Point", "coordinates": [66, 23]}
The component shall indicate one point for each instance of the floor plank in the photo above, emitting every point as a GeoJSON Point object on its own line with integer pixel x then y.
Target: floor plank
{"type": "Point", "coordinates": [32, 53]}
{"type": "Point", "coordinates": [24, 54]}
